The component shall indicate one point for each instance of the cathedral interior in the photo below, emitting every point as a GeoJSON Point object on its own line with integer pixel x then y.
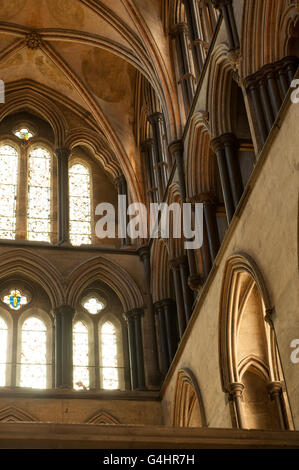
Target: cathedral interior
{"type": "Point", "coordinates": [124, 342]}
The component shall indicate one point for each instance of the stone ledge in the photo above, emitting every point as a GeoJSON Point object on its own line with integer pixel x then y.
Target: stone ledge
{"type": "Point", "coordinates": [86, 436]}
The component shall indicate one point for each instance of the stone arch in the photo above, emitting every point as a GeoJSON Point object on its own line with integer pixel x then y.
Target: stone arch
{"type": "Point", "coordinates": [266, 31]}
{"type": "Point", "coordinates": [220, 89]}
{"type": "Point", "coordinates": [112, 274]}
{"type": "Point", "coordinates": [11, 414]}
{"type": "Point", "coordinates": [34, 267]}
{"type": "Point", "coordinates": [188, 405]}
{"type": "Point", "coordinates": [250, 368]}
{"type": "Point", "coordinates": [29, 96]}
{"type": "Point", "coordinates": [160, 271]}
{"type": "Point", "coordinates": [103, 418]}
{"type": "Point", "coordinates": [202, 175]}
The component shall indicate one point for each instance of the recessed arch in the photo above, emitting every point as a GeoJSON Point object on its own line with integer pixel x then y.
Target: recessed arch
{"type": "Point", "coordinates": [188, 405]}
{"type": "Point", "coordinates": [114, 275]}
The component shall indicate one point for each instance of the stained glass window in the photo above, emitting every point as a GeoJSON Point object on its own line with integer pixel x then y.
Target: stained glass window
{"type": "Point", "coordinates": [80, 356]}
{"type": "Point", "coordinates": [80, 205]}
{"type": "Point", "coordinates": [93, 305]}
{"type": "Point", "coordinates": [3, 352]}
{"type": "Point", "coordinates": [9, 165]}
{"type": "Point", "coordinates": [34, 354]}
{"type": "Point", "coordinates": [39, 196]}
{"type": "Point", "coordinates": [15, 299]}
{"type": "Point", "coordinates": [24, 134]}
{"type": "Point", "coordinates": [110, 380]}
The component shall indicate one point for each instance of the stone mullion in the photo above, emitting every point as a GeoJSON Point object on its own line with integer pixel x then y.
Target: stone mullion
{"type": "Point", "coordinates": [22, 195]}
{"type": "Point", "coordinates": [63, 155]}
{"type": "Point", "coordinates": [14, 354]}
{"type": "Point", "coordinates": [97, 371]}
{"type": "Point", "coordinates": [64, 346]}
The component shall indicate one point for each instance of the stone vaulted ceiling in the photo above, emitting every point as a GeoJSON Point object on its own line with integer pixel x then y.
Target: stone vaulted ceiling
{"type": "Point", "coordinates": [87, 53]}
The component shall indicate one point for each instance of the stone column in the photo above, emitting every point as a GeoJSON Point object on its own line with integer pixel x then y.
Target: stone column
{"type": "Point", "coordinates": [179, 297]}
{"type": "Point", "coordinates": [194, 34]}
{"type": "Point", "coordinates": [275, 390]}
{"type": "Point", "coordinates": [132, 351]}
{"type": "Point", "coordinates": [64, 316]}
{"type": "Point", "coordinates": [226, 8]}
{"type": "Point", "coordinates": [236, 392]}
{"type": "Point", "coordinates": [122, 188]}
{"type": "Point", "coordinates": [157, 123]}
{"type": "Point", "coordinates": [147, 148]}
{"type": "Point", "coordinates": [176, 149]}
{"type": "Point", "coordinates": [165, 360]}
{"type": "Point", "coordinates": [180, 32]}
{"type": "Point", "coordinates": [171, 327]}
{"type": "Point", "coordinates": [153, 366]}
{"type": "Point", "coordinates": [187, 295]}
{"type": "Point", "coordinates": [226, 148]}
{"type": "Point", "coordinates": [63, 155]}
{"type": "Point", "coordinates": [136, 348]}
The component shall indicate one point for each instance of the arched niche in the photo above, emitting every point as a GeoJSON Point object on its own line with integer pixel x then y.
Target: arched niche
{"type": "Point", "coordinates": [188, 408]}
{"type": "Point", "coordinates": [250, 367]}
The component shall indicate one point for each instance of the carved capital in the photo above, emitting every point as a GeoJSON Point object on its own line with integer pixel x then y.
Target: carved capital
{"type": "Point", "coordinates": [134, 314]}
{"type": "Point", "coordinates": [63, 153]}
{"type": "Point", "coordinates": [176, 148]}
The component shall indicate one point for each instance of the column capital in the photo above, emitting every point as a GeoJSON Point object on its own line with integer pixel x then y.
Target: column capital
{"type": "Point", "coordinates": [175, 263]}
{"type": "Point", "coordinates": [225, 140]}
{"type": "Point", "coordinates": [221, 3]}
{"type": "Point", "coordinates": [236, 390]}
{"type": "Point", "coordinates": [135, 313]}
{"type": "Point", "coordinates": [144, 252]}
{"type": "Point", "coordinates": [176, 147]}
{"type": "Point", "coordinates": [208, 198]}
{"type": "Point", "coordinates": [179, 28]}
{"type": "Point", "coordinates": [63, 153]}
{"type": "Point", "coordinates": [146, 145]}
{"type": "Point", "coordinates": [120, 179]}
{"type": "Point", "coordinates": [156, 118]}
{"type": "Point", "coordinates": [195, 282]}
{"type": "Point", "coordinates": [275, 388]}
{"type": "Point", "coordinates": [62, 310]}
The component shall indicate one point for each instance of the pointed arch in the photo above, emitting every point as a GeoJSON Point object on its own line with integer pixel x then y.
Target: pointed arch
{"type": "Point", "coordinates": [25, 263]}
{"type": "Point", "coordinates": [219, 93]}
{"type": "Point", "coordinates": [188, 405]}
{"type": "Point", "coordinates": [104, 418]}
{"type": "Point", "coordinates": [266, 31]}
{"type": "Point", "coordinates": [160, 271]}
{"type": "Point", "coordinates": [11, 414]}
{"type": "Point", "coordinates": [112, 274]}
